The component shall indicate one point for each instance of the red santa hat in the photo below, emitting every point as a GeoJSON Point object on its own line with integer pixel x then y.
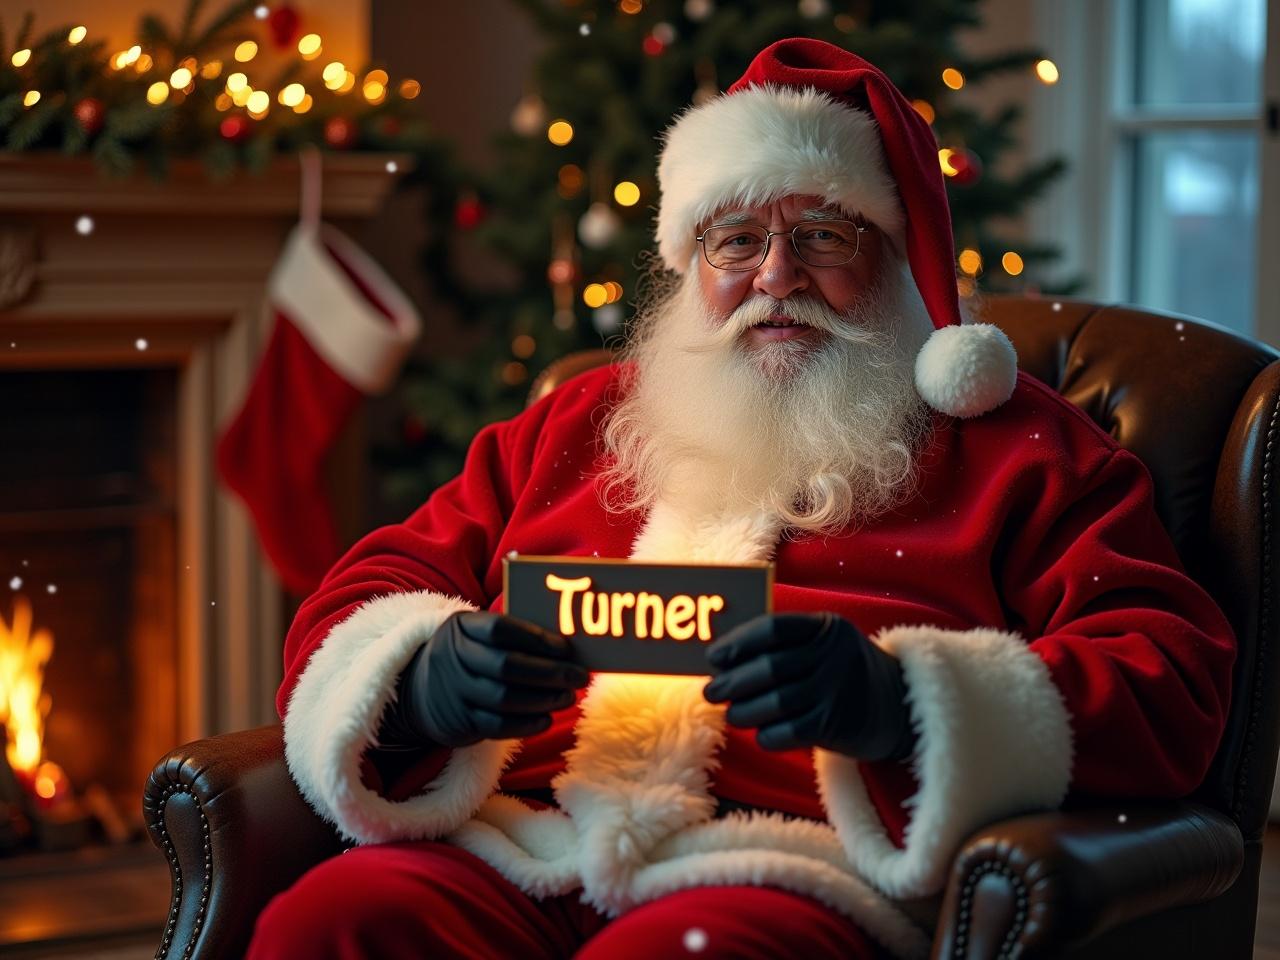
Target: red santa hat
{"type": "Point", "coordinates": [811, 118]}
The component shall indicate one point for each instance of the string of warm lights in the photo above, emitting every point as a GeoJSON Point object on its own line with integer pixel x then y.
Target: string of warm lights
{"type": "Point", "coordinates": [219, 71]}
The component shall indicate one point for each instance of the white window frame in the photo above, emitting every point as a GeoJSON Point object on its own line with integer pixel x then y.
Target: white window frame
{"type": "Point", "coordinates": [1082, 118]}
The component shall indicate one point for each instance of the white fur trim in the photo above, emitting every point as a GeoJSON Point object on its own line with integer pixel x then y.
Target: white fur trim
{"type": "Point", "coordinates": [677, 534]}
{"type": "Point", "coordinates": [335, 710]}
{"type": "Point", "coordinates": [352, 335]}
{"type": "Point", "coordinates": [994, 740]}
{"type": "Point", "coordinates": [765, 142]}
{"type": "Point", "coordinates": [966, 370]}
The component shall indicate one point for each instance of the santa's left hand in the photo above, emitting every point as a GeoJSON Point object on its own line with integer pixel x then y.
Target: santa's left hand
{"type": "Point", "coordinates": [812, 680]}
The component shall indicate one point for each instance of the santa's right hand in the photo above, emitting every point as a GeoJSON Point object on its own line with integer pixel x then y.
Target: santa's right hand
{"type": "Point", "coordinates": [487, 676]}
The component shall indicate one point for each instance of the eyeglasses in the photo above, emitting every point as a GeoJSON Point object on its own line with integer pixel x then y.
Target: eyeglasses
{"type": "Point", "coordinates": [744, 246]}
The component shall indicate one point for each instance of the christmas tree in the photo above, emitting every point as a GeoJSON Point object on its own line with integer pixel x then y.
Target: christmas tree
{"type": "Point", "coordinates": [569, 203]}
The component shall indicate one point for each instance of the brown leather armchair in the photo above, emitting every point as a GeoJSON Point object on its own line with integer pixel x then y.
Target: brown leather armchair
{"type": "Point", "coordinates": [1201, 407]}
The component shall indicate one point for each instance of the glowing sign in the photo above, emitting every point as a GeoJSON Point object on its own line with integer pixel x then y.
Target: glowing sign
{"type": "Point", "coordinates": [629, 617]}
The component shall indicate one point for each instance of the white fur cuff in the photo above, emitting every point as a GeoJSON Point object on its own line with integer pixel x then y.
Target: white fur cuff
{"type": "Point", "coordinates": [994, 740]}
{"type": "Point", "coordinates": [333, 719]}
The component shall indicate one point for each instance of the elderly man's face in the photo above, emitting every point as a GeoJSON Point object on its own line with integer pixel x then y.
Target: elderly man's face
{"type": "Point", "coordinates": [783, 274]}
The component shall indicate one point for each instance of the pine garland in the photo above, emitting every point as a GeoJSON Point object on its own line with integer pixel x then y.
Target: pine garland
{"type": "Point", "coordinates": [79, 98]}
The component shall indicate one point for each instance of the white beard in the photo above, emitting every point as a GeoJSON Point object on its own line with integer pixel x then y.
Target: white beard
{"type": "Point", "coordinates": [823, 433]}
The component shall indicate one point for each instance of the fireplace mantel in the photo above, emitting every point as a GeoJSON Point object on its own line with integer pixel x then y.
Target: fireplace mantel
{"type": "Point", "coordinates": [181, 265]}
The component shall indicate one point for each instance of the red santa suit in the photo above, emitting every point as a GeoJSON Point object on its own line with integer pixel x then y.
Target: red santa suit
{"type": "Point", "coordinates": [1049, 637]}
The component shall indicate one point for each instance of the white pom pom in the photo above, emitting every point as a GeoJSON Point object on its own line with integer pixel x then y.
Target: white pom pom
{"type": "Point", "coordinates": [966, 371]}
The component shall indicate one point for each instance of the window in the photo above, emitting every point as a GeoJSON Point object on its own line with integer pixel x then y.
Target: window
{"type": "Point", "coordinates": [1166, 112]}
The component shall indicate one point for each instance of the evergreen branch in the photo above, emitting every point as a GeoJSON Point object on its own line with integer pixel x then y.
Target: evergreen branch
{"type": "Point", "coordinates": [74, 136]}
{"type": "Point", "coordinates": [32, 125]}
{"type": "Point", "coordinates": [136, 120]}
{"type": "Point", "coordinates": [10, 109]}
{"type": "Point", "coordinates": [223, 22]}
{"type": "Point", "coordinates": [24, 31]}
{"type": "Point", "coordinates": [112, 157]}
{"type": "Point", "coordinates": [188, 22]}
{"type": "Point", "coordinates": [154, 34]}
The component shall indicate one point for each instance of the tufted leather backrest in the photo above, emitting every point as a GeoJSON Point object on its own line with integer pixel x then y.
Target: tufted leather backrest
{"type": "Point", "coordinates": [1200, 406]}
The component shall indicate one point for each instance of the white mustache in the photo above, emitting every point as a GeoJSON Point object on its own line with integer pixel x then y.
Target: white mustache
{"type": "Point", "coordinates": [799, 309]}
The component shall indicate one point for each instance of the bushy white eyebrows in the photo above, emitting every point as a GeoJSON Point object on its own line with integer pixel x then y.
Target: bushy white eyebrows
{"type": "Point", "coordinates": [814, 213]}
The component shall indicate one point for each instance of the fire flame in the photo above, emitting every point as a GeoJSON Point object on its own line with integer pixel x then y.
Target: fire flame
{"type": "Point", "coordinates": [23, 656]}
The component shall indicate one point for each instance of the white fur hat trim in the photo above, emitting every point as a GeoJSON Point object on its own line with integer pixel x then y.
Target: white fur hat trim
{"type": "Point", "coordinates": [966, 370]}
{"type": "Point", "coordinates": [753, 146]}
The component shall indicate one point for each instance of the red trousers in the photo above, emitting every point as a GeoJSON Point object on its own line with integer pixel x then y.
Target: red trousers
{"type": "Point", "coordinates": [428, 899]}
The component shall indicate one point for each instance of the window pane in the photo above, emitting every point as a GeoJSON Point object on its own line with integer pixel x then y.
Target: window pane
{"type": "Point", "coordinates": [1196, 210]}
{"type": "Point", "coordinates": [1200, 51]}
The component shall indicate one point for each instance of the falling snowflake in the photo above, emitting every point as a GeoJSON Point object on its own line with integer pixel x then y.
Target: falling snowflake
{"type": "Point", "coordinates": [584, 29]}
{"type": "Point", "coordinates": [695, 939]}
{"type": "Point", "coordinates": [1179, 326]}
{"type": "Point", "coordinates": [842, 563]}
{"type": "Point", "coordinates": [392, 166]}
{"type": "Point", "coordinates": [1095, 578]}
{"type": "Point", "coordinates": [51, 588]}
{"type": "Point", "coordinates": [15, 583]}
{"type": "Point", "coordinates": [512, 554]}
{"type": "Point", "coordinates": [84, 225]}
{"type": "Point", "coordinates": [141, 343]}
{"type": "Point", "coordinates": [897, 553]}
{"type": "Point", "coordinates": [261, 11]}
{"type": "Point", "coordinates": [1122, 819]}
{"type": "Point", "coordinates": [213, 603]}
{"type": "Point", "coordinates": [26, 563]}
{"type": "Point", "coordinates": [1057, 307]}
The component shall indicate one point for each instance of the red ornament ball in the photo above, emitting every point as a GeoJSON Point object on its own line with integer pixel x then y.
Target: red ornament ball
{"type": "Point", "coordinates": [89, 114]}
{"type": "Point", "coordinates": [468, 213]}
{"type": "Point", "coordinates": [340, 133]}
{"type": "Point", "coordinates": [968, 167]}
{"type": "Point", "coordinates": [234, 128]}
{"type": "Point", "coordinates": [283, 22]}
{"type": "Point", "coordinates": [653, 46]}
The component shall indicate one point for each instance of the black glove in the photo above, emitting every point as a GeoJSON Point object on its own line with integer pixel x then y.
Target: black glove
{"type": "Point", "coordinates": [812, 680]}
{"type": "Point", "coordinates": [484, 676]}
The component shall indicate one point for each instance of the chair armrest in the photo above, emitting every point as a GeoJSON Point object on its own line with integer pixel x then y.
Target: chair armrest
{"type": "Point", "coordinates": [235, 830]}
{"type": "Point", "coordinates": [1034, 884]}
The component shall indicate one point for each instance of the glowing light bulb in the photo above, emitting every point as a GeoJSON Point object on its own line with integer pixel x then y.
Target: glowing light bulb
{"type": "Point", "coordinates": [560, 132]}
{"type": "Point", "coordinates": [333, 74]}
{"type": "Point", "coordinates": [374, 91]}
{"type": "Point", "coordinates": [410, 89]}
{"type": "Point", "coordinates": [944, 158]}
{"type": "Point", "coordinates": [31, 98]}
{"type": "Point", "coordinates": [626, 193]}
{"type": "Point", "coordinates": [76, 35]}
{"type": "Point", "coordinates": [157, 93]}
{"type": "Point", "coordinates": [132, 54]}
{"type": "Point", "coordinates": [1012, 263]}
{"type": "Point", "coordinates": [348, 82]}
{"type": "Point", "coordinates": [143, 63]}
{"type": "Point", "coordinates": [953, 78]}
{"type": "Point", "coordinates": [377, 76]}
{"type": "Point", "coordinates": [236, 82]}
{"type": "Point", "coordinates": [211, 69]}
{"type": "Point", "coordinates": [970, 261]}
{"type": "Point", "coordinates": [309, 46]}
{"type": "Point", "coordinates": [293, 94]}
{"type": "Point", "coordinates": [923, 108]}
{"type": "Point", "coordinates": [595, 295]}
{"type": "Point", "coordinates": [20, 57]}
{"type": "Point", "coordinates": [259, 102]}
{"type": "Point", "coordinates": [246, 51]}
{"type": "Point", "coordinates": [305, 105]}
{"type": "Point", "coordinates": [1047, 71]}
{"type": "Point", "coordinates": [180, 78]}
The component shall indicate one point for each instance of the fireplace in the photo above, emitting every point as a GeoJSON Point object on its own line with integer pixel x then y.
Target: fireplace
{"type": "Point", "coordinates": [131, 315]}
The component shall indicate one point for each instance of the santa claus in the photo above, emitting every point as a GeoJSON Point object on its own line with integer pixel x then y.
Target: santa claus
{"type": "Point", "coordinates": [978, 610]}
